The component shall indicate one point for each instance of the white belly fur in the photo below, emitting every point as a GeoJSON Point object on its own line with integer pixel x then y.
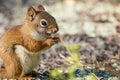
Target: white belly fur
{"type": "Point", "coordinates": [29, 60]}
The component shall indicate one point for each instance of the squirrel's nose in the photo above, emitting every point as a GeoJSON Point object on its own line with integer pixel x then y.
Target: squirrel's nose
{"type": "Point", "coordinates": [54, 30]}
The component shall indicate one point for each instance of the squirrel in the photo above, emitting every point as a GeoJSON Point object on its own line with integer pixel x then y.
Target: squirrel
{"type": "Point", "coordinates": [20, 46]}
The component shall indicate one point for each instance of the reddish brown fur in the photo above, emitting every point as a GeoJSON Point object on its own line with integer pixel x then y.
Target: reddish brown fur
{"type": "Point", "coordinates": [19, 35]}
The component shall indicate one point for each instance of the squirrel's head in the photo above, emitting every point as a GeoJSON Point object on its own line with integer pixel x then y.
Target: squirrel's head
{"type": "Point", "coordinates": [42, 24]}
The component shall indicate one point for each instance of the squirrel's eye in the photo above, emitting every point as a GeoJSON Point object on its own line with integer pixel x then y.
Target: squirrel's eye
{"type": "Point", "coordinates": [43, 23]}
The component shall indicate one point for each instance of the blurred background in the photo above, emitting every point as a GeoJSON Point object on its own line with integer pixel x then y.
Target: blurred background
{"type": "Point", "coordinates": [93, 17]}
{"type": "Point", "coordinates": [94, 25]}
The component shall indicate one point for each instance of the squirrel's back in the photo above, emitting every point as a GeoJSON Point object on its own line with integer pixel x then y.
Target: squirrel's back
{"type": "Point", "coordinates": [12, 36]}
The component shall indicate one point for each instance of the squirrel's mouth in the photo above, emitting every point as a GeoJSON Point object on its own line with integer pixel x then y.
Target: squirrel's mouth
{"type": "Point", "coordinates": [48, 34]}
{"type": "Point", "coordinates": [52, 35]}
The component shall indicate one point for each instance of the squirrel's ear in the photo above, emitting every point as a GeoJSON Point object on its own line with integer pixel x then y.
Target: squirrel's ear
{"type": "Point", "coordinates": [40, 8]}
{"type": "Point", "coordinates": [31, 13]}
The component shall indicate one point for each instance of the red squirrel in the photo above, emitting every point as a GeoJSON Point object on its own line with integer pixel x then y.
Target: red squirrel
{"type": "Point", "coordinates": [20, 46]}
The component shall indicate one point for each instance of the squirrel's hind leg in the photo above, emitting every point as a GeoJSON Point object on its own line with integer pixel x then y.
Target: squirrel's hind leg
{"type": "Point", "coordinates": [13, 68]}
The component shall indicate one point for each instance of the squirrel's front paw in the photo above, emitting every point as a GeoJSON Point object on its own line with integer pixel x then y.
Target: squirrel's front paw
{"type": "Point", "coordinates": [56, 39]}
{"type": "Point", "coordinates": [53, 41]}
